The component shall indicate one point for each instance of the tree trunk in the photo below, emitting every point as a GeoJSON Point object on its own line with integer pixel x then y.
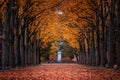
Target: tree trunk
{"type": "Point", "coordinates": [88, 50]}
{"type": "Point", "coordinates": [28, 56]}
{"type": "Point", "coordinates": [97, 40]}
{"type": "Point", "coordinates": [17, 38]}
{"type": "Point", "coordinates": [90, 47]}
{"type": "Point", "coordinates": [118, 33]}
{"type": "Point", "coordinates": [5, 39]}
{"type": "Point", "coordinates": [1, 26]}
{"type": "Point", "coordinates": [103, 53]}
{"type": "Point", "coordinates": [80, 53]}
{"type": "Point", "coordinates": [39, 61]}
{"type": "Point", "coordinates": [34, 52]}
{"type": "Point", "coordinates": [111, 39]}
{"type": "Point", "coordinates": [93, 48]}
{"type": "Point", "coordinates": [26, 45]}
{"type": "Point", "coordinates": [22, 49]}
{"type": "Point", "coordinates": [84, 52]}
{"type": "Point", "coordinates": [111, 51]}
{"type": "Point", "coordinates": [11, 35]}
{"type": "Point", "coordinates": [17, 49]}
{"type": "Point", "coordinates": [37, 51]}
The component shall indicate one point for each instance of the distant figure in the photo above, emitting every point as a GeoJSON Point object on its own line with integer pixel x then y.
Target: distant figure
{"type": "Point", "coordinates": [59, 53]}
{"type": "Point", "coordinates": [59, 57]}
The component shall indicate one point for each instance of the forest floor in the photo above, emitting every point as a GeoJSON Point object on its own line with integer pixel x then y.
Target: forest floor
{"type": "Point", "coordinates": [60, 72]}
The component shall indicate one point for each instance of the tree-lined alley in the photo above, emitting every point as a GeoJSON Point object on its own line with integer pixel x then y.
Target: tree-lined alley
{"type": "Point", "coordinates": [31, 29]}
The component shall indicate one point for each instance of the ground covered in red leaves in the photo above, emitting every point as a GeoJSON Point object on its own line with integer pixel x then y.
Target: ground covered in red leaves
{"type": "Point", "coordinates": [60, 72]}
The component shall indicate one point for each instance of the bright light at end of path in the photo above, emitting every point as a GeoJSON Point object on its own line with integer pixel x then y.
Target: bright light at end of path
{"type": "Point", "coordinates": [59, 12]}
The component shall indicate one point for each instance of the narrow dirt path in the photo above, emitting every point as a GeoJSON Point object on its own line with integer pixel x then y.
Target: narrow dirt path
{"type": "Point", "coordinates": [60, 72]}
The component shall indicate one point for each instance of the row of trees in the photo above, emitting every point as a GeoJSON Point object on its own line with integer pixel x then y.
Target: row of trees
{"type": "Point", "coordinates": [20, 26]}
{"type": "Point", "coordinates": [98, 25]}
{"type": "Point", "coordinates": [15, 42]}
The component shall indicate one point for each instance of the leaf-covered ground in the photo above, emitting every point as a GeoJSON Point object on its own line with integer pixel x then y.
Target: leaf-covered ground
{"type": "Point", "coordinates": [60, 72]}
